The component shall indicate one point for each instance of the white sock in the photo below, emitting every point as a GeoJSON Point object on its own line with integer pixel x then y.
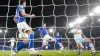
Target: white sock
{"type": "Point", "coordinates": [11, 50]}
{"type": "Point", "coordinates": [92, 46]}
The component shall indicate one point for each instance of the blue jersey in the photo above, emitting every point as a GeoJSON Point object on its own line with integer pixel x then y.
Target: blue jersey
{"type": "Point", "coordinates": [43, 31]}
{"type": "Point", "coordinates": [19, 17]}
{"type": "Point", "coordinates": [59, 38]}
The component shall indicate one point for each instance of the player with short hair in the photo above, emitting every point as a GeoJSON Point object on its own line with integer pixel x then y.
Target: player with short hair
{"type": "Point", "coordinates": [59, 40]}
{"type": "Point", "coordinates": [25, 32]}
{"type": "Point", "coordinates": [12, 41]}
{"type": "Point", "coordinates": [46, 37]}
{"type": "Point", "coordinates": [80, 38]}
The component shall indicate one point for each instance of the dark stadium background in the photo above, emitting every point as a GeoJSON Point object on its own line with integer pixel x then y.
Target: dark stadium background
{"type": "Point", "coordinates": [71, 10]}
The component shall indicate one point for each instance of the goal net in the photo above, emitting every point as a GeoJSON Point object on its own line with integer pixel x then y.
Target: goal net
{"type": "Point", "coordinates": [59, 15]}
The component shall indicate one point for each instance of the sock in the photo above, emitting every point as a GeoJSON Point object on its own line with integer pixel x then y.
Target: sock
{"type": "Point", "coordinates": [58, 45]}
{"type": "Point", "coordinates": [78, 49]}
{"type": "Point", "coordinates": [20, 46]}
{"type": "Point", "coordinates": [31, 41]}
{"type": "Point", "coordinates": [92, 47]}
{"type": "Point", "coordinates": [83, 49]}
{"type": "Point", "coordinates": [11, 50]}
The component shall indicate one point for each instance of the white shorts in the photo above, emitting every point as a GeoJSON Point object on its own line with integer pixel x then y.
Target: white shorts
{"type": "Point", "coordinates": [22, 28]}
{"type": "Point", "coordinates": [79, 39]}
{"type": "Point", "coordinates": [46, 39]}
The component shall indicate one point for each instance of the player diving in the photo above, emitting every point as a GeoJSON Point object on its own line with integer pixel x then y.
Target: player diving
{"type": "Point", "coordinates": [46, 37]}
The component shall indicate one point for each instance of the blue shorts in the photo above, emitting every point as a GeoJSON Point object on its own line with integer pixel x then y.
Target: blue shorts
{"type": "Point", "coordinates": [79, 40]}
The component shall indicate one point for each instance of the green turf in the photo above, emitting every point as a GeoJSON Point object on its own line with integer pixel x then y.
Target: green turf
{"type": "Point", "coordinates": [50, 53]}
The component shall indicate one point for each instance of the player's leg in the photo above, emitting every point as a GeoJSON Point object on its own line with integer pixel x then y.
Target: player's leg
{"type": "Point", "coordinates": [47, 38]}
{"type": "Point", "coordinates": [61, 45]}
{"type": "Point", "coordinates": [30, 33]}
{"type": "Point", "coordinates": [22, 35]}
{"type": "Point", "coordinates": [32, 51]}
{"type": "Point", "coordinates": [31, 39]}
{"type": "Point", "coordinates": [91, 45]}
{"type": "Point", "coordinates": [44, 44]}
{"type": "Point", "coordinates": [19, 47]}
{"type": "Point", "coordinates": [12, 46]}
{"type": "Point", "coordinates": [60, 48]}
{"type": "Point", "coordinates": [79, 44]}
{"type": "Point", "coordinates": [46, 47]}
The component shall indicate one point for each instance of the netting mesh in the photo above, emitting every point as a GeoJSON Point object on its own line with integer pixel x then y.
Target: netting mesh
{"type": "Point", "coordinates": [57, 15]}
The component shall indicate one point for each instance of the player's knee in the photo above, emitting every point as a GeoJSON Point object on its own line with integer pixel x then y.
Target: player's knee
{"type": "Point", "coordinates": [79, 45]}
{"type": "Point", "coordinates": [26, 40]}
{"type": "Point", "coordinates": [29, 31]}
{"type": "Point", "coordinates": [90, 41]}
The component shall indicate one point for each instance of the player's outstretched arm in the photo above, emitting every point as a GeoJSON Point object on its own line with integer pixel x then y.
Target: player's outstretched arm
{"type": "Point", "coordinates": [26, 15]}
{"type": "Point", "coordinates": [38, 31]}
{"type": "Point", "coordinates": [9, 41]}
{"type": "Point", "coordinates": [72, 31]}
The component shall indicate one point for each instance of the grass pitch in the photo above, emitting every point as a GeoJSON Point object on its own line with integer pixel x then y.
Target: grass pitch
{"type": "Point", "coordinates": [50, 53]}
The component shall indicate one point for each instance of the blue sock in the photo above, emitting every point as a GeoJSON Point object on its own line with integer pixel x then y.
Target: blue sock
{"type": "Point", "coordinates": [20, 46]}
{"type": "Point", "coordinates": [57, 44]}
{"type": "Point", "coordinates": [31, 41]}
